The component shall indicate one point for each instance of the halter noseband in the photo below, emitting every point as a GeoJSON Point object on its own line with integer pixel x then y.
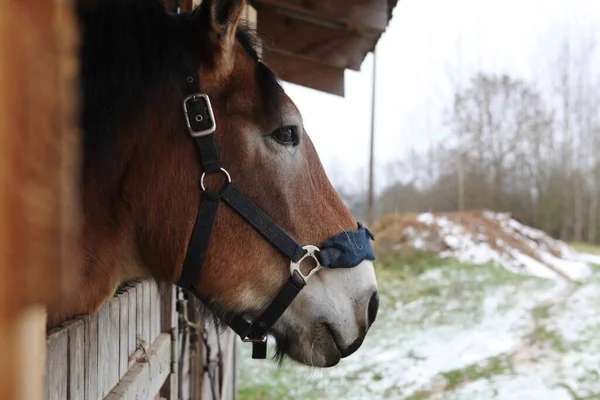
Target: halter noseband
{"type": "Point", "coordinates": [344, 250]}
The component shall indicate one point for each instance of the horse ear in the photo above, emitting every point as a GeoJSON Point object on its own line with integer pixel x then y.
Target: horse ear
{"type": "Point", "coordinates": [219, 20]}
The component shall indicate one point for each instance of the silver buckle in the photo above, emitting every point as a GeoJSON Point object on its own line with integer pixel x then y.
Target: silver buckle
{"type": "Point", "coordinates": [249, 340]}
{"type": "Point", "coordinates": [311, 251]}
{"type": "Point", "coordinates": [205, 132]}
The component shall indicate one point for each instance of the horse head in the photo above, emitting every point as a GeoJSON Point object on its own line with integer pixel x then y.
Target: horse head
{"type": "Point", "coordinates": [147, 179]}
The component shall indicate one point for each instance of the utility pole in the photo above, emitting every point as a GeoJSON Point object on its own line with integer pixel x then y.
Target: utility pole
{"type": "Point", "coordinates": [371, 196]}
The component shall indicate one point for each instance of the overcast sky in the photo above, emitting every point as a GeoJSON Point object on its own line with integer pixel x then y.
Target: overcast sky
{"type": "Point", "coordinates": [430, 47]}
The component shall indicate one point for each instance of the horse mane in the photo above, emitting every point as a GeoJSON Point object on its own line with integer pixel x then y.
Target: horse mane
{"type": "Point", "coordinates": [129, 48]}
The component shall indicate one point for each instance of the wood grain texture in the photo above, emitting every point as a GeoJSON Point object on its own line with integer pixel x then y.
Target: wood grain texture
{"type": "Point", "coordinates": [57, 365]}
{"type": "Point", "coordinates": [91, 356]}
{"type": "Point", "coordinates": [320, 44]}
{"type": "Point", "coordinates": [38, 154]}
{"type": "Point", "coordinates": [169, 325]}
{"type": "Point", "coordinates": [132, 328]}
{"type": "Point", "coordinates": [114, 307]}
{"type": "Point", "coordinates": [104, 350]}
{"type": "Point", "coordinates": [146, 311]}
{"type": "Point", "coordinates": [362, 15]}
{"type": "Point", "coordinates": [38, 192]}
{"type": "Point", "coordinates": [139, 313]}
{"type": "Point", "coordinates": [76, 334]}
{"type": "Point", "coordinates": [147, 375]}
{"type": "Point", "coordinates": [155, 313]}
{"type": "Point", "coordinates": [123, 333]}
{"type": "Point", "coordinates": [307, 73]}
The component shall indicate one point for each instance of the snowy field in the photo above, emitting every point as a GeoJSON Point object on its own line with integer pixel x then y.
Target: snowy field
{"type": "Point", "coordinates": [459, 331]}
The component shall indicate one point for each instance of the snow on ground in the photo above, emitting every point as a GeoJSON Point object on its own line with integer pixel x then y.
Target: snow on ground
{"type": "Point", "coordinates": [497, 320]}
{"type": "Point", "coordinates": [476, 334]}
{"type": "Point", "coordinates": [536, 253]}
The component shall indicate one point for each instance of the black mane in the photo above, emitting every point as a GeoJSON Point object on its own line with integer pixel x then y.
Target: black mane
{"type": "Point", "coordinates": [128, 48]}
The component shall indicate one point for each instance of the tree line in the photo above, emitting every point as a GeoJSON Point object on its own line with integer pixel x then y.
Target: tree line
{"type": "Point", "coordinates": [512, 147]}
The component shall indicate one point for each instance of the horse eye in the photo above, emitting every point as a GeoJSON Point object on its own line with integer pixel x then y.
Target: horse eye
{"type": "Point", "coordinates": [286, 135]}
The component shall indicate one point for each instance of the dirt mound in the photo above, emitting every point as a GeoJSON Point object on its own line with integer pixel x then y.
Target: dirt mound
{"type": "Point", "coordinates": [480, 237]}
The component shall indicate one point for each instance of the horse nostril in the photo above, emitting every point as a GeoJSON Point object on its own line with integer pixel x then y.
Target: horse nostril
{"type": "Point", "coordinates": [373, 307]}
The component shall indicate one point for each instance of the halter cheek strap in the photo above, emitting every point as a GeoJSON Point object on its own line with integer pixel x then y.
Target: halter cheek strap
{"type": "Point", "coordinates": [344, 250]}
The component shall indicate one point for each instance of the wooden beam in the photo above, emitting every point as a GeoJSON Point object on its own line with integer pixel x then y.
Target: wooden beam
{"type": "Point", "coordinates": [38, 153]}
{"type": "Point", "coordinates": [334, 47]}
{"type": "Point", "coordinates": [38, 174]}
{"type": "Point", "coordinates": [145, 378]}
{"type": "Point", "coordinates": [362, 15]}
{"type": "Point", "coordinates": [306, 72]}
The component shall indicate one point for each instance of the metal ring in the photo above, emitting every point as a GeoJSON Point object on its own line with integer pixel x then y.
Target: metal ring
{"type": "Point", "coordinates": [199, 118]}
{"type": "Point", "coordinates": [311, 251]}
{"type": "Point", "coordinates": [189, 79]}
{"type": "Point", "coordinates": [223, 170]}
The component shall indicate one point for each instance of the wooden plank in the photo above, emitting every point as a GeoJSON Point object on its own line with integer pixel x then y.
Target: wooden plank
{"type": "Point", "coordinates": [104, 347]}
{"type": "Point", "coordinates": [37, 184]}
{"type": "Point", "coordinates": [168, 314]}
{"type": "Point", "coordinates": [76, 334]}
{"type": "Point", "coordinates": [57, 365]}
{"type": "Point", "coordinates": [169, 325]}
{"type": "Point", "coordinates": [306, 73]}
{"type": "Point", "coordinates": [334, 47]}
{"type": "Point", "coordinates": [155, 313]}
{"type": "Point", "coordinates": [146, 376]}
{"type": "Point", "coordinates": [39, 169]}
{"type": "Point", "coordinates": [132, 292]}
{"type": "Point", "coordinates": [139, 318]}
{"type": "Point", "coordinates": [123, 333]}
{"type": "Point", "coordinates": [364, 15]}
{"type": "Point", "coordinates": [91, 357]}
{"type": "Point", "coordinates": [114, 307]}
{"type": "Point", "coordinates": [146, 312]}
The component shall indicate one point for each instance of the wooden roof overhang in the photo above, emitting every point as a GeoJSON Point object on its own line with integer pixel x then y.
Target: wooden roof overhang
{"type": "Point", "coordinates": [312, 42]}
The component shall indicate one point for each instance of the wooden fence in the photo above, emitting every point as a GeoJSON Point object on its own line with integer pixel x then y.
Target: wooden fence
{"type": "Point", "coordinates": [138, 346]}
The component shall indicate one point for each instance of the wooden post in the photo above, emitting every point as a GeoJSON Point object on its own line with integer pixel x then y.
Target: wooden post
{"type": "Point", "coordinates": [371, 194]}
{"type": "Point", "coordinates": [39, 164]}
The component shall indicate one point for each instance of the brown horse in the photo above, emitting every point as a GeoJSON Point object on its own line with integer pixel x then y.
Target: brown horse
{"type": "Point", "coordinates": [141, 172]}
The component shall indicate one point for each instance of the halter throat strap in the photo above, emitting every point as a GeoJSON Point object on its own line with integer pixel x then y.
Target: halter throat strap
{"type": "Point", "coordinates": [201, 125]}
{"type": "Point", "coordinates": [346, 250]}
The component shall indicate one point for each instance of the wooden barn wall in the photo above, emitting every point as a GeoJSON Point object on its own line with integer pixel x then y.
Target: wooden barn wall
{"type": "Point", "coordinates": [38, 171]}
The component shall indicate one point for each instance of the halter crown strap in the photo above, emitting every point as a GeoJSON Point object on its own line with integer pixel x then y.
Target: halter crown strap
{"type": "Point", "coordinates": [201, 125]}
{"type": "Point", "coordinates": [346, 249]}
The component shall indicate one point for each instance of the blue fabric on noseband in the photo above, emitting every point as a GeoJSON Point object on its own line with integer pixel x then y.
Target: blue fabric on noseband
{"type": "Point", "coordinates": [347, 249]}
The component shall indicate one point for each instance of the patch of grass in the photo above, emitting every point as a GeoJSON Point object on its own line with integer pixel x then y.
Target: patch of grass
{"type": "Point", "coordinates": [408, 262]}
{"type": "Point", "coordinates": [261, 392]}
{"type": "Point", "coordinates": [540, 312]}
{"type": "Point", "coordinates": [377, 377]}
{"type": "Point", "coordinates": [491, 367]}
{"type": "Point", "coordinates": [420, 395]}
{"type": "Point", "coordinates": [586, 247]}
{"type": "Point", "coordinates": [574, 395]}
{"type": "Point", "coordinates": [541, 334]}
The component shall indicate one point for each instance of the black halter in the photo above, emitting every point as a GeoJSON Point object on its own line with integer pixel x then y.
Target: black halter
{"type": "Point", "coordinates": [344, 250]}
